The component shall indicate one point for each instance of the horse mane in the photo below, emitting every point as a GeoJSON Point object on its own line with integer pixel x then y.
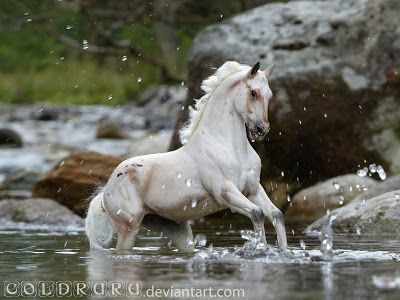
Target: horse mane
{"type": "Point", "coordinates": [208, 86]}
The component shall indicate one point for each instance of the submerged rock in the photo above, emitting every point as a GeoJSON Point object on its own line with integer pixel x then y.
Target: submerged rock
{"type": "Point", "coordinates": [72, 181]}
{"type": "Point", "coordinates": [37, 211]}
{"type": "Point", "coordinates": [10, 138]}
{"type": "Point", "coordinates": [19, 179]}
{"type": "Point", "coordinates": [312, 203]}
{"type": "Point", "coordinates": [336, 81]}
{"type": "Point", "coordinates": [380, 214]}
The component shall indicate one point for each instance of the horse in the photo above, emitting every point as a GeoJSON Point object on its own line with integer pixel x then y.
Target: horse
{"type": "Point", "coordinates": [216, 168]}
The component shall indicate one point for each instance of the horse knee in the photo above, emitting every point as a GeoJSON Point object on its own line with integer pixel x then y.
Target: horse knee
{"type": "Point", "coordinates": [277, 217]}
{"type": "Point", "coordinates": [257, 215]}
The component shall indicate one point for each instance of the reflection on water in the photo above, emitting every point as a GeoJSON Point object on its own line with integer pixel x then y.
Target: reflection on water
{"type": "Point", "coordinates": [359, 266]}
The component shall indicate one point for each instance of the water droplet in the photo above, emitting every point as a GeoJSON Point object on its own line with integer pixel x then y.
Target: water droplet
{"type": "Point", "coordinates": [302, 245]}
{"type": "Point", "coordinates": [292, 231]}
{"type": "Point", "coordinates": [362, 172]}
{"type": "Point", "coordinates": [325, 115]}
{"type": "Point", "coordinates": [110, 97]}
{"type": "Point", "coordinates": [397, 196]}
{"type": "Point", "coordinates": [336, 185]}
{"type": "Point", "coordinates": [182, 83]}
{"type": "Point", "coordinates": [185, 208]}
{"type": "Point", "coordinates": [85, 45]}
{"type": "Point", "coordinates": [381, 172]}
{"type": "Point", "coordinates": [139, 79]}
{"type": "Point", "coordinates": [252, 171]}
{"type": "Point", "coordinates": [163, 186]}
{"type": "Point", "coordinates": [372, 168]}
{"type": "Point", "coordinates": [179, 174]}
{"type": "Point", "coordinates": [288, 198]}
{"type": "Point", "coordinates": [194, 203]}
{"type": "Point", "coordinates": [188, 182]}
{"type": "Point", "coordinates": [300, 122]}
{"type": "Point", "coordinates": [358, 230]}
{"type": "Point", "coordinates": [282, 174]}
{"type": "Point", "coordinates": [68, 27]}
{"type": "Point", "coordinates": [341, 200]}
{"type": "Point", "coordinates": [200, 240]}
{"type": "Point", "coordinates": [124, 58]}
{"type": "Point", "coordinates": [119, 211]}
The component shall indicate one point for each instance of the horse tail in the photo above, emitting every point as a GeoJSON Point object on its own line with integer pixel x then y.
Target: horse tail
{"type": "Point", "coordinates": [98, 224]}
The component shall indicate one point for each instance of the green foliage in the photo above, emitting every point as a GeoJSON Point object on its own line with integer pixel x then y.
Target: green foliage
{"type": "Point", "coordinates": [75, 82]}
{"type": "Point", "coordinates": [35, 66]}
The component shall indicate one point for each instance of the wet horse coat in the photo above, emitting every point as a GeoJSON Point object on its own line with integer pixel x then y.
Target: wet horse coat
{"type": "Point", "coordinates": [216, 168]}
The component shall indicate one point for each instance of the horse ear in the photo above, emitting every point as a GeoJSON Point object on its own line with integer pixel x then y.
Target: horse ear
{"type": "Point", "coordinates": [254, 69]}
{"type": "Point", "coordinates": [268, 71]}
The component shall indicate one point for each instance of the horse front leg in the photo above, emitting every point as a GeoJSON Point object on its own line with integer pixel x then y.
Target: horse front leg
{"type": "Point", "coordinates": [273, 213]}
{"type": "Point", "coordinates": [237, 202]}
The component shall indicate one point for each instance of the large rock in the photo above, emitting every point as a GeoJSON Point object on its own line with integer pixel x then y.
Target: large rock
{"type": "Point", "coordinates": [380, 214]}
{"type": "Point", "coordinates": [389, 185]}
{"type": "Point", "coordinates": [312, 203]}
{"type": "Point", "coordinates": [72, 181]}
{"type": "Point", "coordinates": [336, 84]}
{"type": "Point", "coordinates": [108, 129]}
{"type": "Point", "coordinates": [37, 211]}
{"type": "Point", "coordinates": [162, 105]}
{"type": "Point", "coordinates": [152, 142]}
{"type": "Point", "coordinates": [10, 139]}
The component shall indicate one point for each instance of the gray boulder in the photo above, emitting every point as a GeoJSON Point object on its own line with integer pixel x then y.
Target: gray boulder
{"type": "Point", "coordinates": [161, 105]}
{"type": "Point", "coordinates": [313, 202]}
{"type": "Point", "coordinates": [389, 185]}
{"type": "Point", "coordinates": [37, 211]}
{"type": "Point", "coordinates": [380, 214]}
{"type": "Point", "coordinates": [336, 83]}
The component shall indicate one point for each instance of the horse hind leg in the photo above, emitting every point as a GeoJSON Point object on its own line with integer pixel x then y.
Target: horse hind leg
{"type": "Point", "coordinates": [127, 218]}
{"type": "Point", "coordinates": [180, 234]}
{"type": "Point", "coordinates": [127, 234]}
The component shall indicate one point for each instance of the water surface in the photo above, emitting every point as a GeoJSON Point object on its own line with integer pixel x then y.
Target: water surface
{"type": "Point", "coordinates": [362, 267]}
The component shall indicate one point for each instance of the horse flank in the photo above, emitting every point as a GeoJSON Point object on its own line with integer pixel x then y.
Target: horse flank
{"type": "Point", "coordinates": [208, 86]}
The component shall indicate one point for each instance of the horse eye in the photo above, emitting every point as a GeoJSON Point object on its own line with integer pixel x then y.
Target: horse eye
{"type": "Point", "coordinates": [253, 94]}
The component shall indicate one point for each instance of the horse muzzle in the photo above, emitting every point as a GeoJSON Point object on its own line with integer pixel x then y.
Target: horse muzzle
{"type": "Point", "coordinates": [259, 131]}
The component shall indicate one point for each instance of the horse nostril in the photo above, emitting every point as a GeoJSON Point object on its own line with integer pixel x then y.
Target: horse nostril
{"type": "Point", "coordinates": [260, 129]}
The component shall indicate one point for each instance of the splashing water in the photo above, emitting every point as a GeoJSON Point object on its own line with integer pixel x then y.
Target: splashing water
{"type": "Point", "coordinates": [326, 237]}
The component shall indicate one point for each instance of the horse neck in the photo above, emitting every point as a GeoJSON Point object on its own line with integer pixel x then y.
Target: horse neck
{"type": "Point", "coordinates": [222, 121]}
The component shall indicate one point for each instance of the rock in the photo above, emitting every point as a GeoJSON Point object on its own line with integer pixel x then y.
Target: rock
{"type": "Point", "coordinates": [72, 181]}
{"type": "Point", "coordinates": [49, 113]}
{"type": "Point", "coordinates": [37, 211]}
{"type": "Point", "coordinates": [312, 203]}
{"type": "Point", "coordinates": [336, 82]}
{"type": "Point", "coordinates": [279, 192]}
{"type": "Point", "coordinates": [9, 138]}
{"type": "Point", "coordinates": [379, 215]}
{"type": "Point", "coordinates": [14, 194]}
{"type": "Point", "coordinates": [162, 105]}
{"type": "Point", "coordinates": [19, 179]}
{"type": "Point", "coordinates": [108, 129]}
{"type": "Point", "coordinates": [154, 142]}
{"type": "Point", "coordinates": [390, 184]}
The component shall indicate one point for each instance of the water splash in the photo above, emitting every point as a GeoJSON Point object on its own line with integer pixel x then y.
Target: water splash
{"type": "Point", "coordinates": [326, 237]}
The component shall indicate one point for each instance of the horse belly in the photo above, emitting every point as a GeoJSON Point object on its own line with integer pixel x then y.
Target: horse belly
{"type": "Point", "coordinates": [180, 198]}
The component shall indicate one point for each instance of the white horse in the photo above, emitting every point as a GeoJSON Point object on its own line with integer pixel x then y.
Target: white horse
{"type": "Point", "coordinates": [216, 168]}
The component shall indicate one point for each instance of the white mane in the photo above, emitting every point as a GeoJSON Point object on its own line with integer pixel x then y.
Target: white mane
{"type": "Point", "coordinates": [208, 86]}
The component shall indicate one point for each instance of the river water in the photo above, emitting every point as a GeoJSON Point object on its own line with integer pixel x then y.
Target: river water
{"type": "Point", "coordinates": [361, 267]}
